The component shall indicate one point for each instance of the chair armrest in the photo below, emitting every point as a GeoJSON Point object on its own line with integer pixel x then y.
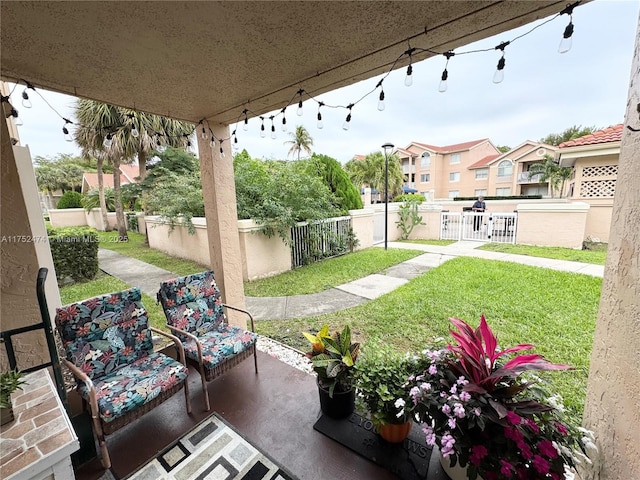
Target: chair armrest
{"type": "Point", "coordinates": [176, 342]}
{"type": "Point", "coordinates": [187, 334]}
{"type": "Point", "coordinates": [79, 374]}
{"type": "Point", "coordinates": [253, 328]}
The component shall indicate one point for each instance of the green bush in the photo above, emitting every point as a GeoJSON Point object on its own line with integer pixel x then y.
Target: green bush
{"type": "Point", "coordinates": [132, 221]}
{"type": "Point", "coordinates": [70, 199]}
{"type": "Point", "coordinates": [74, 251]}
{"type": "Point", "coordinates": [91, 199]}
{"type": "Point", "coordinates": [490, 197]}
{"type": "Point", "coordinates": [405, 197]}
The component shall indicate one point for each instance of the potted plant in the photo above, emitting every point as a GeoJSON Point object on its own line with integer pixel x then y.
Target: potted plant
{"type": "Point", "coordinates": [488, 418]}
{"type": "Point", "coordinates": [333, 357]}
{"type": "Point", "coordinates": [381, 379]}
{"type": "Point", "coordinates": [10, 381]}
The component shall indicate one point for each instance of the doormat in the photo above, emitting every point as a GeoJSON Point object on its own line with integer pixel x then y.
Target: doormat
{"type": "Point", "coordinates": [410, 460]}
{"type": "Point", "coordinates": [211, 450]}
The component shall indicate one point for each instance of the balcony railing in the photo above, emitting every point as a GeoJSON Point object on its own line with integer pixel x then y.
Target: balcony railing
{"type": "Point", "coordinates": [524, 178]}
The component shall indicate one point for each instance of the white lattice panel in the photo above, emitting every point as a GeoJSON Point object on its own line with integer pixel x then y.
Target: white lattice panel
{"type": "Point", "coordinates": [598, 188]}
{"type": "Point", "coordinates": [600, 171]}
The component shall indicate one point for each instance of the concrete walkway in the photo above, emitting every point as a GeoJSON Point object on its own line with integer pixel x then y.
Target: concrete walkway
{"type": "Point", "coordinates": [148, 278]}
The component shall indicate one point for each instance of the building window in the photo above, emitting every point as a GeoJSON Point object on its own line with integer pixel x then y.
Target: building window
{"type": "Point", "coordinates": [503, 192]}
{"type": "Point", "coordinates": [455, 158]}
{"type": "Point", "coordinates": [454, 177]}
{"type": "Point", "coordinates": [425, 177]}
{"type": "Point", "coordinates": [482, 173]}
{"type": "Point", "coordinates": [425, 160]}
{"type": "Point", "coordinates": [454, 193]}
{"type": "Point", "coordinates": [505, 168]}
{"type": "Point", "coordinates": [480, 192]}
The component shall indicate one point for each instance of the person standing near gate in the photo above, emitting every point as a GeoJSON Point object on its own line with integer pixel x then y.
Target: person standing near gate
{"type": "Point", "coordinates": [479, 206]}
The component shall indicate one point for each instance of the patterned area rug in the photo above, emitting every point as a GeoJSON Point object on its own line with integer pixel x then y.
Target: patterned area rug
{"type": "Point", "coordinates": [212, 450]}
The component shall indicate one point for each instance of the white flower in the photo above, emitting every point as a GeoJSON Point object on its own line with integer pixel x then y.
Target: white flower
{"type": "Point", "coordinates": [399, 403]}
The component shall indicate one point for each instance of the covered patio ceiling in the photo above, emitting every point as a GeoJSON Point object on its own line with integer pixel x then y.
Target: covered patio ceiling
{"type": "Point", "coordinates": [194, 60]}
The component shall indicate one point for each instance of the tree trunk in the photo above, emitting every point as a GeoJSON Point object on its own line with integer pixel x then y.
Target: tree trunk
{"type": "Point", "coordinates": [142, 165]}
{"type": "Point", "coordinates": [103, 201]}
{"type": "Point", "coordinates": [120, 220]}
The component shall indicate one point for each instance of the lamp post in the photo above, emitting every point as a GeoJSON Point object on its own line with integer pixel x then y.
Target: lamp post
{"type": "Point", "coordinates": [387, 149]}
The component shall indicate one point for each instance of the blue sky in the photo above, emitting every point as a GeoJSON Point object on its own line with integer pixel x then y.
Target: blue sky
{"type": "Point", "coordinates": [543, 92]}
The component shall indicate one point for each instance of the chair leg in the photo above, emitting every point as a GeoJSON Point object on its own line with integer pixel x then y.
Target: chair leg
{"type": "Point", "coordinates": [186, 394]}
{"type": "Point", "coordinates": [255, 357]}
{"type": "Point", "coordinates": [104, 453]}
{"type": "Point", "coordinates": [204, 388]}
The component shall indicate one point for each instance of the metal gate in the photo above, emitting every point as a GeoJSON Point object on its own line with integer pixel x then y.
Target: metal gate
{"type": "Point", "coordinates": [482, 227]}
{"type": "Point", "coordinates": [378, 228]}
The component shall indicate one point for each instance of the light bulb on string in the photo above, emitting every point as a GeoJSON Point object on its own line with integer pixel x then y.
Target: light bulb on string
{"type": "Point", "coordinates": [17, 120]}
{"type": "Point", "coordinates": [245, 125]}
{"type": "Point", "coordinates": [235, 137]}
{"type": "Point", "coordinates": [221, 150]}
{"type": "Point", "coordinates": [381, 100]}
{"type": "Point", "coordinates": [498, 76]}
{"type": "Point", "coordinates": [320, 124]}
{"type": "Point", "coordinates": [565, 43]}
{"type": "Point", "coordinates": [212, 143]}
{"type": "Point", "coordinates": [65, 131]}
{"type": "Point", "coordinates": [262, 131]}
{"type": "Point", "coordinates": [299, 111]}
{"type": "Point", "coordinates": [134, 131]}
{"type": "Point", "coordinates": [273, 128]}
{"type": "Point", "coordinates": [445, 73]}
{"type": "Point", "coordinates": [284, 121]}
{"type": "Point", "coordinates": [159, 146]}
{"type": "Point", "coordinates": [347, 121]}
{"type": "Point", "coordinates": [408, 80]}
{"type": "Point", "coordinates": [26, 103]}
{"type": "Point", "coordinates": [108, 140]}
{"type": "Point", "coordinates": [203, 134]}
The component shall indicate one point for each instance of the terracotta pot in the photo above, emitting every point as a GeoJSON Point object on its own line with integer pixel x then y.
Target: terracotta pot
{"type": "Point", "coordinates": [395, 432]}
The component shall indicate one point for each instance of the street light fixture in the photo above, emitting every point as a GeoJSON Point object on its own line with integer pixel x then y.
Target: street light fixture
{"type": "Point", "coordinates": [388, 147]}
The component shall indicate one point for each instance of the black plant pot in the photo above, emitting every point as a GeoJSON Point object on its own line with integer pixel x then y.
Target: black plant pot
{"type": "Point", "coordinates": [340, 406]}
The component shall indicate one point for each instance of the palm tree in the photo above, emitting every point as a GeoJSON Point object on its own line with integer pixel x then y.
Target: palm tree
{"type": "Point", "coordinates": [551, 172]}
{"type": "Point", "coordinates": [300, 140]}
{"type": "Point", "coordinates": [132, 135]}
{"type": "Point", "coordinates": [370, 171]}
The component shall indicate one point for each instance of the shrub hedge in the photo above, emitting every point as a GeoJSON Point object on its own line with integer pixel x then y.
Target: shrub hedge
{"type": "Point", "coordinates": [70, 199]}
{"type": "Point", "coordinates": [490, 197]}
{"type": "Point", "coordinates": [74, 251]}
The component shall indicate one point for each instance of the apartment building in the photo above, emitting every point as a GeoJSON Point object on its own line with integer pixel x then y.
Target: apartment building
{"type": "Point", "coordinates": [471, 169]}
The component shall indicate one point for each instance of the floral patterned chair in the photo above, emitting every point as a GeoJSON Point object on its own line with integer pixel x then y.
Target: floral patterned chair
{"type": "Point", "coordinates": [195, 313]}
{"type": "Point", "coordinates": [108, 347]}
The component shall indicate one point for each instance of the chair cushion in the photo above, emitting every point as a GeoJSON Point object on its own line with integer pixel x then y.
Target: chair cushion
{"type": "Point", "coordinates": [106, 332]}
{"type": "Point", "coordinates": [221, 344]}
{"type": "Point", "coordinates": [131, 386]}
{"type": "Point", "coordinates": [192, 303]}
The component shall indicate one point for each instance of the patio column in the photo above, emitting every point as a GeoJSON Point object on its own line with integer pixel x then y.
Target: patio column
{"type": "Point", "coordinates": [19, 263]}
{"type": "Point", "coordinates": [219, 191]}
{"type": "Point", "coordinates": [612, 407]}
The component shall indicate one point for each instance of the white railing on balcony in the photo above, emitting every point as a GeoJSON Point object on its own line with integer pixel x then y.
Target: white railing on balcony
{"type": "Point", "coordinates": [524, 178]}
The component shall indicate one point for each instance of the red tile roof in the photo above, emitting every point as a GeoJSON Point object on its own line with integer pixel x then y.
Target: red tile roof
{"type": "Point", "coordinates": [405, 152]}
{"type": "Point", "coordinates": [456, 147]}
{"type": "Point", "coordinates": [131, 171]}
{"type": "Point", "coordinates": [483, 162]}
{"type": "Point", "coordinates": [128, 173]}
{"type": "Point", "coordinates": [608, 135]}
{"type": "Point", "coordinates": [359, 157]}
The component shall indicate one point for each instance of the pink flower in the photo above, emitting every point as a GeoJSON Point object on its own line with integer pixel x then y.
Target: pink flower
{"type": "Point", "coordinates": [478, 452]}
{"type": "Point", "coordinates": [525, 450]}
{"type": "Point", "coordinates": [513, 434]}
{"type": "Point", "coordinates": [452, 422]}
{"type": "Point", "coordinates": [540, 464]}
{"type": "Point", "coordinates": [561, 428]}
{"type": "Point", "coordinates": [546, 448]}
{"type": "Point", "coordinates": [532, 425]}
{"type": "Point", "coordinates": [513, 418]}
{"type": "Point", "coordinates": [465, 397]}
{"type": "Point", "coordinates": [506, 468]}
{"type": "Point", "coordinates": [433, 370]}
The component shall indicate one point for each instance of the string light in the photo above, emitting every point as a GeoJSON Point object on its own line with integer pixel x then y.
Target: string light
{"type": "Point", "coordinates": [408, 80]}
{"type": "Point", "coordinates": [273, 127]}
{"type": "Point", "coordinates": [565, 42]}
{"type": "Point", "coordinates": [499, 75]}
{"type": "Point", "coordinates": [445, 73]}
{"type": "Point", "coordinates": [221, 149]}
{"type": "Point", "coordinates": [26, 103]}
{"type": "Point", "coordinates": [347, 121]}
{"type": "Point", "coordinates": [134, 131]}
{"type": "Point", "coordinates": [65, 131]}
{"type": "Point", "coordinates": [212, 142]}
{"type": "Point", "coordinates": [108, 140]}
{"type": "Point", "coordinates": [381, 96]}
{"type": "Point", "coordinates": [298, 96]}
{"type": "Point", "coordinates": [320, 124]}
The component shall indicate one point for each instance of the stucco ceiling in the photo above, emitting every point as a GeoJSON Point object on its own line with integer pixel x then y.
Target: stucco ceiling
{"type": "Point", "coordinates": [193, 60]}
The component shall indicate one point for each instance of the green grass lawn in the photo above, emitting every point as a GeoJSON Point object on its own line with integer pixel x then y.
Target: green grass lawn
{"type": "Point", "coordinates": [556, 311]}
{"type": "Point", "coordinates": [442, 243]}
{"type": "Point", "coordinates": [136, 248]}
{"type": "Point", "coordinates": [105, 284]}
{"type": "Point", "coordinates": [328, 273]}
{"type": "Point", "coordinates": [596, 257]}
